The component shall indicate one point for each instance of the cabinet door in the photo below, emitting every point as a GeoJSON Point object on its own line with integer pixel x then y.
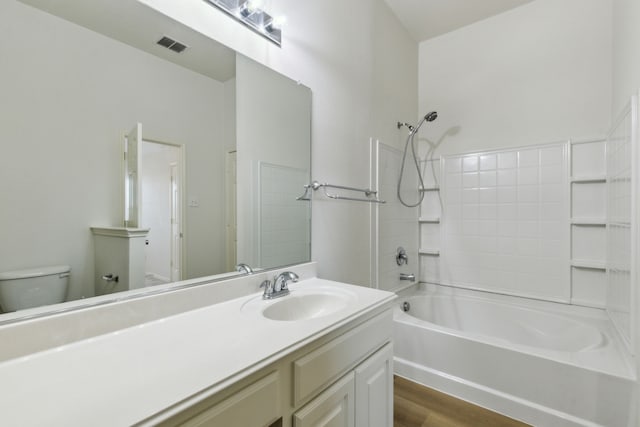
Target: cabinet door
{"type": "Point", "coordinates": [332, 408]}
{"type": "Point", "coordinates": [374, 389]}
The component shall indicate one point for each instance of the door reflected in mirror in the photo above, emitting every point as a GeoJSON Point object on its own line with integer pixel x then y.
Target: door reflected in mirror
{"type": "Point", "coordinates": [235, 146]}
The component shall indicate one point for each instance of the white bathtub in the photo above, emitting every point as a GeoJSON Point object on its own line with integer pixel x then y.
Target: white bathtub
{"type": "Point", "coordinates": [543, 363]}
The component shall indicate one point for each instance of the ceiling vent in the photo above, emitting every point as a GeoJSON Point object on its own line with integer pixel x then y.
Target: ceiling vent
{"type": "Point", "coordinates": [172, 44]}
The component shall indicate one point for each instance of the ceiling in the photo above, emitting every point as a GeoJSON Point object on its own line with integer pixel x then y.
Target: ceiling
{"type": "Point", "coordinates": [425, 19]}
{"type": "Point", "coordinates": [137, 25]}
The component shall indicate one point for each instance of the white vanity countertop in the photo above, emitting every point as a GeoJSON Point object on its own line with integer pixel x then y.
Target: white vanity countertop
{"type": "Point", "coordinates": [128, 375]}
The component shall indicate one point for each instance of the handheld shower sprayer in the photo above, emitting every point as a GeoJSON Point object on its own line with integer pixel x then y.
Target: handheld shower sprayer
{"type": "Point", "coordinates": [429, 117]}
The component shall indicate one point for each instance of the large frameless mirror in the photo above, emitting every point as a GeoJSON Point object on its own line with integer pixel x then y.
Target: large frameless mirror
{"type": "Point", "coordinates": [124, 130]}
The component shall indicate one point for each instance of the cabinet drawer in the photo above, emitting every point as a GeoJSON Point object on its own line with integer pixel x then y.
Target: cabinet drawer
{"type": "Point", "coordinates": [314, 371]}
{"type": "Point", "coordinates": [255, 405]}
{"type": "Point", "coordinates": [334, 407]}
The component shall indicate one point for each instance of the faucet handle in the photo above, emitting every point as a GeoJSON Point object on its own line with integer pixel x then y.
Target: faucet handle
{"type": "Point", "coordinates": [401, 256]}
{"type": "Point", "coordinates": [268, 286]}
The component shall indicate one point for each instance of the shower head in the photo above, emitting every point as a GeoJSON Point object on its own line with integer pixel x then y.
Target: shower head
{"type": "Point", "coordinates": [431, 116]}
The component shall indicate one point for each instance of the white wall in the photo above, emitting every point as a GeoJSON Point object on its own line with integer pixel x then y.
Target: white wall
{"type": "Point", "coordinates": [361, 66]}
{"type": "Point", "coordinates": [626, 45]}
{"type": "Point", "coordinates": [538, 73]}
{"type": "Point", "coordinates": [68, 97]}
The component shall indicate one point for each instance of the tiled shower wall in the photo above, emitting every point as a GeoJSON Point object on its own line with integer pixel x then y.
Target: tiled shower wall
{"type": "Point", "coordinates": [527, 222]}
{"type": "Point", "coordinates": [504, 223]}
{"type": "Point", "coordinates": [396, 225]}
{"type": "Point", "coordinates": [621, 152]}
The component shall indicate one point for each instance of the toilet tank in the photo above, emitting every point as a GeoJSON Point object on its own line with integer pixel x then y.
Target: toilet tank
{"type": "Point", "coordinates": [33, 287]}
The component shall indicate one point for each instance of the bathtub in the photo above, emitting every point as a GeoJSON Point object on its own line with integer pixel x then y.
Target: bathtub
{"type": "Point", "coordinates": [546, 364]}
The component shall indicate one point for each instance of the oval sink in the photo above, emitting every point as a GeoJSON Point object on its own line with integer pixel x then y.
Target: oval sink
{"type": "Point", "coordinates": [302, 304]}
{"type": "Point", "coordinates": [301, 307]}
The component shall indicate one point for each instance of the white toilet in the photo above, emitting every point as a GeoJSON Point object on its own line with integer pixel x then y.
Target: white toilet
{"type": "Point", "coordinates": [33, 287]}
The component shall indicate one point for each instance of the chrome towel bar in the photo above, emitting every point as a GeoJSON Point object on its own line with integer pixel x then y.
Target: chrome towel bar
{"type": "Point", "coordinates": [315, 185]}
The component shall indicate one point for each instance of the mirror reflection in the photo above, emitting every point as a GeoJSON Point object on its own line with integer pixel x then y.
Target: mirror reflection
{"type": "Point", "coordinates": [200, 154]}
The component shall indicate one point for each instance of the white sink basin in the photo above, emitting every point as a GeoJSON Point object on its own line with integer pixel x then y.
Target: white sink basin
{"type": "Point", "coordinates": [302, 304]}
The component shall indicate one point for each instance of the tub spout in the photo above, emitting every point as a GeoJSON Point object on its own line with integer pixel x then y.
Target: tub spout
{"type": "Point", "coordinates": [409, 277]}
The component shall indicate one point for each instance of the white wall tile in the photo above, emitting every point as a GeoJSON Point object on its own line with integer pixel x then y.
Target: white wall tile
{"type": "Point", "coordinates": [470, 180]}
{"type": "Point", "coordinates": [508, 160]}
{"type": "Point", "coordinates": [619, 286]}
{"type": "Point", "coordinates": [507, 177]}
{"type": "Point", "coordinates": [507, 194]}
{"type": "Point", "coordinates": [528, 158]}
{"type": "Point", "coordinates": [488, 162]}
{"type": "Point", "coordinates": [470, 164]}
{"type": "Point", "coordinates": [488, 195]}
{"type": "Point", "coordinates": [488, 179]}
{"type": "Point", "coordinates": [506, 239]}
{"type": "Point", "coordinates": [528, 175]}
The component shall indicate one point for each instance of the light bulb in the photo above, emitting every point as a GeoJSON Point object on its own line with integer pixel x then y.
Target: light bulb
{"type": "Point", "coordinates": [278, 22]}
{"type": "Point", "coordinates": [253, 5]}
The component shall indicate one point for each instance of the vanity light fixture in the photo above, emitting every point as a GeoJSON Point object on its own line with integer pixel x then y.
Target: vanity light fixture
{"type": "Point", "coordinates": [250, 13]}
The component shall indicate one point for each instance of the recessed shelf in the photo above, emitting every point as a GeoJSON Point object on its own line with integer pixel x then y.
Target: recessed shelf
{"type": "Point", "coordinates": [430, 252]}
{"type": "Point", "coordinates": [598, 222]}
{"type": "Point", "coordinates": [425, 189]}
{"type": "Point", "coordinates": [588, 179]}
{"type": "Point", "coordinates": [622, 224]}
{"type": "Point", "coordinates": [429, 220]}
{"type": "Point", "coordinates": [593, 265]}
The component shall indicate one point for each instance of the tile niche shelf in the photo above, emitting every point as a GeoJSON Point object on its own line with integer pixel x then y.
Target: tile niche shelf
{"type": "Point", "coordinates": [428, 251]}
{"type": "Point", "coordinates": [429, 222]}
{"type": "Point", "coordinates": [588, 222]}
{"type": "Point", "coordinates": [588, 179]}
{"type": "Point", "coordinates": [595, 222]}
{"type": "Point", "coordinates": [589, 264]}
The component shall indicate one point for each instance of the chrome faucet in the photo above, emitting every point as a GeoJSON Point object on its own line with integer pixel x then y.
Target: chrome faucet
{"type": "Point", "coordinates": [409, 277]}
{"type": "Point", "coordinates": [279, 287]}
{"type": "Point", "coordinates": [244, 268]}
{"type": "Point", "coordinates": [280, 281]}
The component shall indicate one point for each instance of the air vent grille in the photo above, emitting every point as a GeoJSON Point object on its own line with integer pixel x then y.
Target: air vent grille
{"type": "Point", "coordinates": [172, 44]}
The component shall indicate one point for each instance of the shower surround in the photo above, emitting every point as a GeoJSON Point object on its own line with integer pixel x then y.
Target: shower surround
{"type": "Point", "coordinates": [546, 229]}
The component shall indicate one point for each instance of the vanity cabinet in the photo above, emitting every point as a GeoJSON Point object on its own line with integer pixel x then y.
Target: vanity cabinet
{"type": "Point", "coordinates": [344, 378]}
{"type": "Point", "coordinates": [362, 398]}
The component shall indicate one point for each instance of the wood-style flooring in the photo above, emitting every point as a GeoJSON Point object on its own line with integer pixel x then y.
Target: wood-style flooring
{"type": "Point", "coordinates": [417, 406]}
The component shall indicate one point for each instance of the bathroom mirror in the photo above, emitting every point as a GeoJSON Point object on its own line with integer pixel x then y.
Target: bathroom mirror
{"type": "Point", "coordinates": [226, 143]}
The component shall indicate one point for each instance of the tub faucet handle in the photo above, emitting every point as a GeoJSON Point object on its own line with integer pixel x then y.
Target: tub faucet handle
{"type": "Point", "coordinates": [401, 256]}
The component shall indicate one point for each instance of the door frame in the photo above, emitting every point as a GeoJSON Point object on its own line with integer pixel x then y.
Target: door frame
{"type": "Point", "coordinates": [181, 166]}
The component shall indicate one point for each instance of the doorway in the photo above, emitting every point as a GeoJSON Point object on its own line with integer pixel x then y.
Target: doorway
{"type": "Point", "coordinates": [161, 210]}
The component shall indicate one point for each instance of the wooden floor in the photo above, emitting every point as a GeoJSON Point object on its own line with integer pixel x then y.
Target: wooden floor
{"type": "Point", "coordinates": [417, 406]}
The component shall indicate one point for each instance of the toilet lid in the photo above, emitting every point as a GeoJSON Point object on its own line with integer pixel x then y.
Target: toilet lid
{"type": "Point", "coordinates": [34, 272]}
